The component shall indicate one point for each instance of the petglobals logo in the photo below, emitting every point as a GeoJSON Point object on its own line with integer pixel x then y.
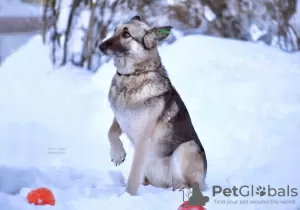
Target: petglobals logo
{"type": "Point", "coordinates": [246, 191]}
{"type": "Point", "coordinates": [254, 195]}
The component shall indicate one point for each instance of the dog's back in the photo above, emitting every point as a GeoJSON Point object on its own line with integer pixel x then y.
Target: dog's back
{"type": "Point", "coordinates": [180, 121]}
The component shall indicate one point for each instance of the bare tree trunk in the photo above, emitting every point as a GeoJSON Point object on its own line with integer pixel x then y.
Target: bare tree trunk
{"type": "Point", "coordinates": [87, 48]}
{"type": "Point", "coordinates": [55, 15]}
{"type": "Point", "coordinates": [45, 22]}
{"type": "Point", "coordinates": [287, 9]}
{"type": "Point", "coordinates": [68, 30]}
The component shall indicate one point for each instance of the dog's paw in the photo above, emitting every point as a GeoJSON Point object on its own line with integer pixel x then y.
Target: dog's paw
{"type": "Point", "coordinates": [180, 187]}
{"type": "Point", "coordinates": [117, 154]}
{"type": "Point", "coordinates": [131, 191]}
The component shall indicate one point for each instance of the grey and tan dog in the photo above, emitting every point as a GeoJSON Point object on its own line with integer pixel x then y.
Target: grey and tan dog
{"type": "Point", "coordinates": [148, 109]}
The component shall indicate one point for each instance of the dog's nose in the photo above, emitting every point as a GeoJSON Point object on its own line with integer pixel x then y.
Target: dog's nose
{"type": "Point", "coordinates": [102, 46]}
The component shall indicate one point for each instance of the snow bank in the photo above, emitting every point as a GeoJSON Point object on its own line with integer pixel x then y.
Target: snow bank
{"type": "Point", "coordinates": [18, 8]}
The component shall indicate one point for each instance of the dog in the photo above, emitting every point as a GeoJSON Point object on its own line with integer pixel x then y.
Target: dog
{"type": "Point", "coordinates": [149, 110]}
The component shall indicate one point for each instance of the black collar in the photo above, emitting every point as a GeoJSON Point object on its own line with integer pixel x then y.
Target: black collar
{"type": "Point", "coordinates": [136, 73]}
{"type": "Point", "coordinates": [126, 75]}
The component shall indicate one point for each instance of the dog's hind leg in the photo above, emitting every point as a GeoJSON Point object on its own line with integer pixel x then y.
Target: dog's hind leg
{"type": "Point", "coordinates": [117, 152]}
{"type": "Point", "coordinates": [178, 171]}
{"type": "Point", "coordinates": [188, 165]}
{"type": "Point", "coordinates": [158, 172]}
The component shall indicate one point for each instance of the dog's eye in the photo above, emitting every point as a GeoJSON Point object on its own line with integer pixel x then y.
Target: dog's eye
{"type": "Point", "coordinates": [125, 34]}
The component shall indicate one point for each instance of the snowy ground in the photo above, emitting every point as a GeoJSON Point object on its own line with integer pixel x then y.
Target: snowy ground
{"type": "Point", "coordinates": [17, 8]}
{"type": "Point", "coordinates": [243, 99]}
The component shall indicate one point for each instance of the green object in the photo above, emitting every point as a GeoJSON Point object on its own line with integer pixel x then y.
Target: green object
{"type": "Point", "coordinates": [164, 31]}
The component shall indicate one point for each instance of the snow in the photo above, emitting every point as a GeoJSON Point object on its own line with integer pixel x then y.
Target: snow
{"type": "Point", "coordinates": [209, 15]}
{"type": "Point", "coordinates": [256, 33]}
{"type": "Point", "coordinates": [243, 99]}
{"type": "Point", "coordinates": [18, 8]}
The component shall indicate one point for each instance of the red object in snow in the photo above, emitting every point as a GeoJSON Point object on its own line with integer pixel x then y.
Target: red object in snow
{"type": "Point", "coordinates": [41, 196]}
{"type": "Point", "coordinates": [186, 206]}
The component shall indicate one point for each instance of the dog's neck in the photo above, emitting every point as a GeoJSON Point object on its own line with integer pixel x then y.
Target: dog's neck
{"type": "Point", "coordinates": [128, 66]}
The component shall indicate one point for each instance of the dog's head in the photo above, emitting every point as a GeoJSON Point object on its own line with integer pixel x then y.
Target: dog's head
{"type": "Point", "coordinates": [134, 39]}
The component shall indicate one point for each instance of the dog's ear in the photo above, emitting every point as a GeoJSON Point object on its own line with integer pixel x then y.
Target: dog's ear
{"type": "Point", "coordinates": [137, 17]}
{"type": "Point", "coordinates": [155, 35]}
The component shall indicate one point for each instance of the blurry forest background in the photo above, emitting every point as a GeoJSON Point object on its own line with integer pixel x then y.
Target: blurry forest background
{"type": "Point", "coordinates": [75, 27]}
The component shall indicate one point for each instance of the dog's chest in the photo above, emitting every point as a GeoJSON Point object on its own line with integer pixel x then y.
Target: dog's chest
{"type": "Point", "coordinates": [135, 103]}
{"type": "Point", "coordinates": [131, 122]}
{"type": "Point", "coordinates": [128, 107]}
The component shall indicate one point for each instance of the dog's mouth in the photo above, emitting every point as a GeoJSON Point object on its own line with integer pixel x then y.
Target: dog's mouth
{"type": "Point", "coordinates": [107, 52]}
{"type": "Point", "coordinates": [111, 53]}
{"type": "Point", "coordinates": [103, 53]}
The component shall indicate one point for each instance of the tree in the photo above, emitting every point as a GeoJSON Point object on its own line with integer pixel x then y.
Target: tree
{"type": "Point", "coordinates": [78, 26]}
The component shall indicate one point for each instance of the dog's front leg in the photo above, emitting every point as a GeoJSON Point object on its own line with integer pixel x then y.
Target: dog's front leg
{"type": "Point", "coordinates": [142, 143]}
{"type": "Point", "coordinates": [117, 152]}
{"type": "Point", "coordinates": [137, 166]}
